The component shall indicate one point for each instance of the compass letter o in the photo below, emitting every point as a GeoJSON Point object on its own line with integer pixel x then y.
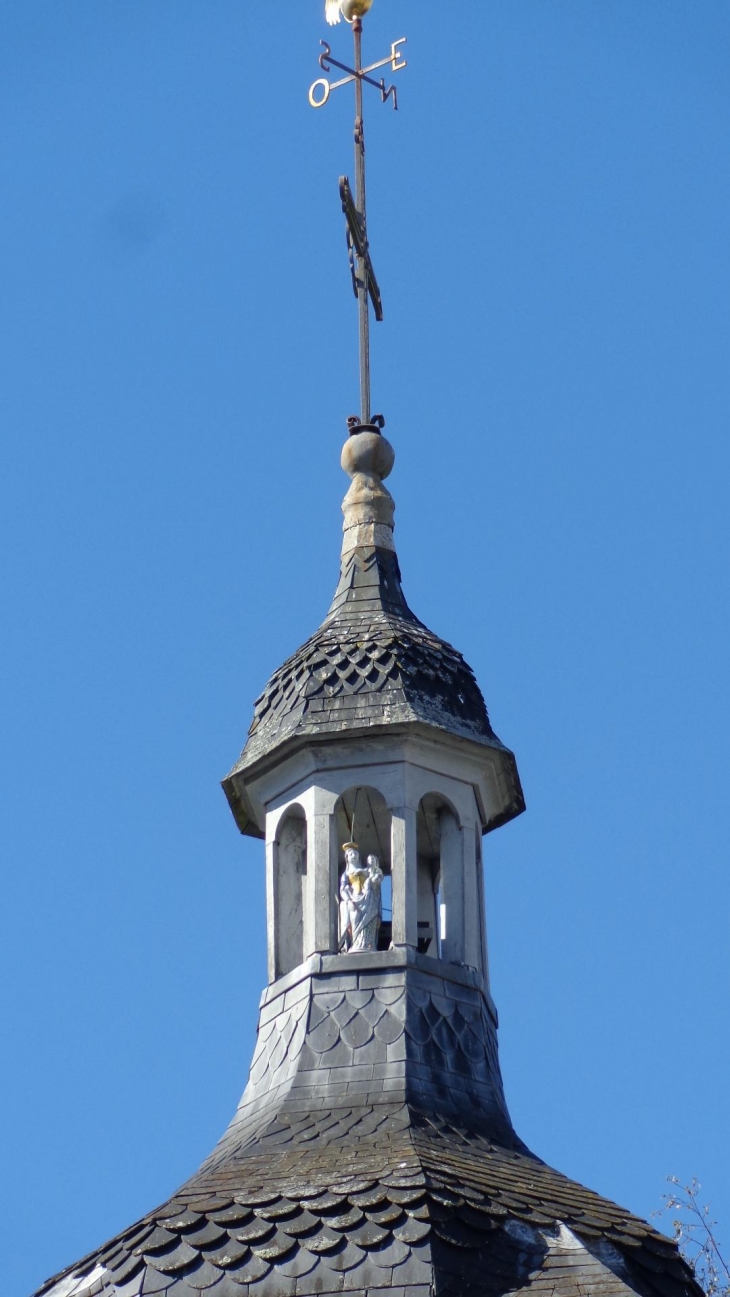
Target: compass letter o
{"type": "Point", "coordinates": [325, 92]}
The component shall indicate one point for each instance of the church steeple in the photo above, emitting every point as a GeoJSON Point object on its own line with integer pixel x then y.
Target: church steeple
{"type": "Point", "coordinates": [372, 1151]}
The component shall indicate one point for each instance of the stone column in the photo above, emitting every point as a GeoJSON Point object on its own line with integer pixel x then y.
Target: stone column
{"type": "Point", "coordinates": [404, 868]}
{"type": "Point", "coordinates": [482, 906]}
{"type": "Point", "coordinates": [318, 923]}
{"type": "Point", "coordinates": [271, 909]}
{"type": "Point", "coordinates": [472, 902]}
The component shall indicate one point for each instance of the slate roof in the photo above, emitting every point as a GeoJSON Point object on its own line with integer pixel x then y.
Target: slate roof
{"type": "Point", "coordinates": [336, 1179]}
{"type": "Point", "coordinates": [372, 663]}
{"type": "Point", "coordinates": [423, 1209]}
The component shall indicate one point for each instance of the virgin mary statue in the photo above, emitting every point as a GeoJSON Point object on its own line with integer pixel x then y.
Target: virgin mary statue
{"type": "Point", "coordinates": [360, 901]}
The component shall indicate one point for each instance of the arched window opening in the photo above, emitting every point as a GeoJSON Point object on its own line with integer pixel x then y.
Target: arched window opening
{"type": "Point", "coordinates": [362, 817]}
{"type": "Point", "coordinates": [433, 922]}
{"type": "Point", "coordinates": [290, 882]}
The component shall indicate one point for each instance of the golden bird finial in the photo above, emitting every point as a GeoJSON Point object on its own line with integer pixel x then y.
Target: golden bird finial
{"type": "Point", "coordinates": [347, 9]}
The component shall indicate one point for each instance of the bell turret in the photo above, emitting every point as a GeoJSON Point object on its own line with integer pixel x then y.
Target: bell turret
{"type": "Point", "coordinates": [376, 722]}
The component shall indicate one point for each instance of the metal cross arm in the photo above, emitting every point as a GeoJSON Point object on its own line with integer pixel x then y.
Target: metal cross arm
{"type": "Point", "coordinates": [321, 90]}
{"type": "Point", "coordinates": [357, 239]}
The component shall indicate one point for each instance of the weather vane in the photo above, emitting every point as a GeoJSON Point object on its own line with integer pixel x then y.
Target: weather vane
{"type": "Point", "coordinates": [364, 282]}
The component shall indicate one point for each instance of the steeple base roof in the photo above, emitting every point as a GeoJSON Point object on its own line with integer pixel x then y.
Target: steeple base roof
{"type": "Point", "coordinates": [342, 1174]}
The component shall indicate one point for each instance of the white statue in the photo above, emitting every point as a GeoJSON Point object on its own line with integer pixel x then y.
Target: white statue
{"type": "Point", "coordinates": [361, 908]}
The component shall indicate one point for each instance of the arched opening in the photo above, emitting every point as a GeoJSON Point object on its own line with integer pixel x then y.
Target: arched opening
{"type": "Point", "coordinates": [440, 880]}
{"type": "Point", "coordinates": [290, 883]}
{"type": "Point", "coordinates": [363, 817]}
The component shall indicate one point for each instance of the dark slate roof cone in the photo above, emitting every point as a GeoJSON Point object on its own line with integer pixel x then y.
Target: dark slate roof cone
{"type": "Point", "coordinates": [372, 1151]}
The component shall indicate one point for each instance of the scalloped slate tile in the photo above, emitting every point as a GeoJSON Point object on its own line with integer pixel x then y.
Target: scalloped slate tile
{"type": "Point", "coordinates": [346, 1257]}
{"type": "Point", "coordinates": [181, 1220]}
{"type": "Point", "coordinates": [158, 1240]}
{"type": "Point", "coordinates": [252, 1271]}
{"type": "Point", "coordinates": [326, 1240]}
{"type": "Point", "coordinates": [176, 1260]}
{"type": "Point", "coordinates": [357, 1033]}
{"type": "Point", "coordinates": [411, 1231]}
{"type": "Point", "coordinates": [325, 1036]}
{"type": "Point", "coordinates": [255, 1231]}
{"type": "Point", "coordinates": [389, 1029]}
{"type": "Point", "coordinates": [229, 1254]}
{"type": "Point", "coordinates": [125, 1269]}
{"type": "Point", "coordinates": [203, 1276]}
{"type": "Point", "coordinates": [274, 1248]}
{"type": "Point", "coordinates": [155, 1283]}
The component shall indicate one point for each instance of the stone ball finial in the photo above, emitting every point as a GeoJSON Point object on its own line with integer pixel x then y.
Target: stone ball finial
{"type": "Point", "coordinates": [368, 452]}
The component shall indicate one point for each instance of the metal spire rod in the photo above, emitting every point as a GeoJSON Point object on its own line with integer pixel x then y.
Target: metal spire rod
{"type": "Point", "coordinates": [354, 206]}
{"type": "Point", "coordinates": [360, 198]}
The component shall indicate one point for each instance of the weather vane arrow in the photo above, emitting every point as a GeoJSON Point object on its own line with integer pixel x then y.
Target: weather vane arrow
{"type": "Point", "coordinates": [364, 282]}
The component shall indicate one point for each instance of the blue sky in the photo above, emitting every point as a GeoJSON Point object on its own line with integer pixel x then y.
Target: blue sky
{"type": "Point", "coordinates": [550, 214]}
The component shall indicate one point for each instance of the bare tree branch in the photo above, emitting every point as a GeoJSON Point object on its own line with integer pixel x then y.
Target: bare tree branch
{"type": "Point", "coordinates": [695, 1235]}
